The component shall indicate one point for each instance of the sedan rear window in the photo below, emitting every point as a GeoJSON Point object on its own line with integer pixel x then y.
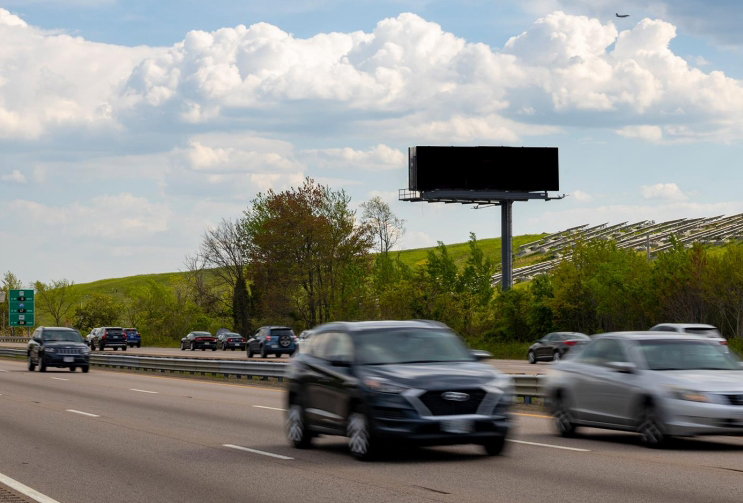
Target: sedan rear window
{"type": "Point", "coordinates": [706, 332]}
{"type": "Point", "coordinates": [686, 355]}
{"type": "Point", "coordinates": [384, 347]}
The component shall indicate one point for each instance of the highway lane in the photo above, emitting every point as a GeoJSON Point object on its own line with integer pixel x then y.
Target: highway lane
{"type": "Point", "coordinates": [154, 439]}
{"type": "Point", "coordinates": [508, 366]}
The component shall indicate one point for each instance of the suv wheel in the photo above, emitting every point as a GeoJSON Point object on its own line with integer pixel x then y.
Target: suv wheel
{"type": "Point", "coordinates": [359, 436]}
{"type": "Point", "coordinates": [86, 369]}
{"type": "Point", "coordinates": [495, 446]}
{"type": "Point", "coordinates": [92, 346]}
{"type": "Point", "coordinates": [42, 365]}
{"type": "Point", "coordinates": [31, 364]}
{"type": "Point", "coordinates": [263, 352]}
{"type": "Point", "coordinates": [296, 427]}
{"type": "Point", "coordinates": [531, 357]}
{"type": "Point", "coordinates": [139, 344]}
{"type": "Point", "coordinates": [124, 348]}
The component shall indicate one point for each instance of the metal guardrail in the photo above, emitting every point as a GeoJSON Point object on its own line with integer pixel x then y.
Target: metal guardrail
{"type": "Point", "coordinates": [14, 339]}
{"type": "Point", "coordinates": [526, 387]}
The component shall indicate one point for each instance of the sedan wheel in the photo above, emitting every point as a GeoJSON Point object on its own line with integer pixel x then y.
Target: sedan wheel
{"type": "Point", "coordinates": [531, 357]}
{"type": "Point", "coordinates": [359, 439]}
{"type": "Point", "coordinates": [31, 364]}
{"type": "Point", "coordinates": [556, 357]}
{"type": "Point", "coordinates": [650, 428]}
{"type": "Point", "coordinates": [563, 419]}
{"type": "Point", "coordinates": [296, 429]}
{"type": "Point", "coordinates": [183, 346]}
{"type": "Point", "coordinates": [495, 446]}
{"type": "Point", "coordinates": [193, 348]}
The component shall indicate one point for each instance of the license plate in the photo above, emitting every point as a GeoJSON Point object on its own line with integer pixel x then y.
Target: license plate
{"type": "Point", "coordinates": [458, 426]}
{"type": "Point", "coordinates": [69, 359]}
{"type": "Point", "coordinates": [274, 345]}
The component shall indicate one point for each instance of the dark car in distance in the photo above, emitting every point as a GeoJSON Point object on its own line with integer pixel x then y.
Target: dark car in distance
{"type": "Point", "coordinates": [133, 337]}
{"type": "Point", "coordinates": [395, 383]}
{"type": "Point", "coordinates": [199, 340]}
{"type": "Point", "coordinates": [272, 341]}
{"type": "Point", "coordinates": [108, 337]}
{"type": "Point", "coordinates": [58, 347]}
{"type": "Point", "coordinates": [230, 340]}
{"type": "Point", "coordinates": [552, 347]}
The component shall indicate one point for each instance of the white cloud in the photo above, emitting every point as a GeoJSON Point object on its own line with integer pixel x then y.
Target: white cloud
{"type": "Point", "coordinates": [663, 191]}
{"type": "Point", "coordinates": [644, 132]}
{"type": "Point", "coordinates": [407, 72]}
{"type": "Point", "coordinates": [14, 176]}
{"type": "Point", "coordinates": [582, 197]}
{"type": "Point", "coordinates": [119, 217]}
{"type": "Point", "coordinates": [699, 60]}
{"type": "Point", "coordinates": [376, 158]}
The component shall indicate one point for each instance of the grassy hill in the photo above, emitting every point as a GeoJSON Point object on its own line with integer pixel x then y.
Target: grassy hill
{"type": "Point", "coordinates": [118, 287]}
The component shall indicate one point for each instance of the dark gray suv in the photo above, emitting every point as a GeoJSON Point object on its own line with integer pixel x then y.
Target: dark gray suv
{"type": "Point", "coordinates": [272, 341]}
{"type": "Point", "coordinates": [395, 383]}
{"type": "Point", "coordinates": [58, 347]}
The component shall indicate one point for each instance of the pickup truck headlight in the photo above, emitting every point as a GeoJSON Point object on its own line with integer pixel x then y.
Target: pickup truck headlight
{"type": "Point", "coordinates": [382, 385]}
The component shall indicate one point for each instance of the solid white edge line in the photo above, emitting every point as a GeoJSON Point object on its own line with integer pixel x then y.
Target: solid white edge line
{"type": "Point", "coordinates": [59, 378]}
{"type": "Point", "coordinates": [81, 412]}
{"type": "Point", "coordinates": [269, 408]}
{"type": "Point", "coordinates": [25, 490]}
{"type": "Point", "coordinates": [536, 444]}
{"type": "Point", "coordinates": [256, 451]}
{"type": "Point", "coordinates": [144, 391]}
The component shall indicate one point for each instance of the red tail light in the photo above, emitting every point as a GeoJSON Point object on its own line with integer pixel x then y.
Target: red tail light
{"type": "Point", "coordinates": [105, 332]}
{"type": "Point", "coordinates": [268, 338]}
{"type": "Point", "coordinates": [724, 343]}
{"type": "Point", "coordinates": [570, 343]}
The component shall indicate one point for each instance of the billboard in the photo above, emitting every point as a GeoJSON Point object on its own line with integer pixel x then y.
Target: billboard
{"type": "Point", "coordinates": [522, 169]}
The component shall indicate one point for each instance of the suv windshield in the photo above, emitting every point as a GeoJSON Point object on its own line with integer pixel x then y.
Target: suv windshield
{"type": "Point", "coordinates": [62, 336]}
{"type": "Point", "coordinates": [686, 355]}
{"type": "Point", "coordinates": [410, 345]}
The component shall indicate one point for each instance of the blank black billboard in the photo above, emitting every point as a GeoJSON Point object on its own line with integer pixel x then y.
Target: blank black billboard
{"type": "Point", "coordinates": [524, 169]}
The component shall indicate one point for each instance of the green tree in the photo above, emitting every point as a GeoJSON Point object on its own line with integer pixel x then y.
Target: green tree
{"type": "Point", "coordinates": [302, 244]}
{"type": "Point", "coordinates": [56, 298]}
{"type": "Point", "coordinates": [100, 310]}
{"type": "Point", "coordinates": [388, 230]}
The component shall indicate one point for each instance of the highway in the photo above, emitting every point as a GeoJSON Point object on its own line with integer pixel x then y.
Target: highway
{"type": "Point", "coordinates": [508, 366]}
{"type": "Point", "coordinates": [120, 437]}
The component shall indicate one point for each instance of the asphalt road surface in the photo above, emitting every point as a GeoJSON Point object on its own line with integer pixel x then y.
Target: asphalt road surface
{"type": "Point", "coordinates": [508, 366]}
{"type": "Point", "coordinates": [117, 437]}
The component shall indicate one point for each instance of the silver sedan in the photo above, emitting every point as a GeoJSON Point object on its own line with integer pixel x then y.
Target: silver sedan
{"type": "Point", "coordinates": [658, 384]}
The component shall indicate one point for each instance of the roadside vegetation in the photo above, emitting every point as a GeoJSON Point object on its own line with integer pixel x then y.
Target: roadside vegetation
{"type": "Point", "coordinates": [302, 257]}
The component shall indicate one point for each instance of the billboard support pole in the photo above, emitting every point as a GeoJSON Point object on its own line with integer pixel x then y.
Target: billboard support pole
{"type": "Point", "coordinates": [506, 230]}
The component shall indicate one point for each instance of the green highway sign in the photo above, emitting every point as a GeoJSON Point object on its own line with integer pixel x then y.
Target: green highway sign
{"type": "Point", "coordinates": [21, 308]}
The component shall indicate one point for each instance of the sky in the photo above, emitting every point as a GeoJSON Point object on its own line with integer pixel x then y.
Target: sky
{"type": "Point", "coordinates": [128, 127]}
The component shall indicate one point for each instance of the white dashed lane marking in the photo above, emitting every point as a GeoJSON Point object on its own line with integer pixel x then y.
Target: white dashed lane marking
{"type": "Point", "coordinates": [256, 451]}
{"type": "Point", "coordinates": [82, 413]}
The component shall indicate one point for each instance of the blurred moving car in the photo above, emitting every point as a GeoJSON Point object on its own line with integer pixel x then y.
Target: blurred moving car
{"type": "Point", "coordinates": [58, 347]}
{"type": "Point", "coordinates": [199, 340]}
{"type": "Point", "coordinates": [230, 340]}
{"type": "Point", "coordinates": [379, 383]}
{"type": "Point", "coordinates": [133, 337]}
{"type": "Point", "coordinates": [302, 338]}
{"type": "Point", "coordinates": [658, 384]}
{"type": "Point", "coordinates": [108, 337]}
{"type": "Point", "coordinates": [272, 340]}
{"type": "Point", "coordinates": [552, 347]}
{"type": "Point", "coordinates": [90, 338]}
{"type": "Point", "coordinates": [709, 331]}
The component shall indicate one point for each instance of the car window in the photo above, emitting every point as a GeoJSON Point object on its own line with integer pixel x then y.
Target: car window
{"type": "Point", "coordinates": [314, 345]}
{"type": "Point", "coordinates": [674, 354]}
{"type": "Point", "coordinates": [62, 336]}
{"type": "Point", "coordinates": [662, 328]}
{"type": "Point", "coordinates": [410, 345]}
{"type": "Point", "coordinates": [548, 338]}
{"type": "Point", "coordinates": [602, 352]}
{"type": "Point", "coordinates": [703, 331]}
{"type": "Point", "coordinates": [338, 345]}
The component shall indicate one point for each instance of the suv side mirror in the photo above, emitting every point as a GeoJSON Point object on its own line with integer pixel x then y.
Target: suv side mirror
{"type": "Point", "coordinates": [340, 361]}
{"type": "Point", "coordinates": [622, 367]}
{"type": "Point", "coordinates": [479, 354]}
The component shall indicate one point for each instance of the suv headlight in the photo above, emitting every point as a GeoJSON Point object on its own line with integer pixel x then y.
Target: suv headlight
{"type": "Point", "coordinates": [690, 395]}
{"type": "Point", "coordinates": [86, 350]}
{"type": "Point", "coordinates": [382, 385]}
{"type": "Point", "coordinates": [49, 350]}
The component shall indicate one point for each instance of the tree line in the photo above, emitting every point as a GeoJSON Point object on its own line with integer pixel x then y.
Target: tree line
{"type": "Point", "coordinates": [303, 256]}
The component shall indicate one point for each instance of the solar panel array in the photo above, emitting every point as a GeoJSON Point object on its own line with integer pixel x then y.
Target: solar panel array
{"type": "Point", "coordinates": [640, 236]}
